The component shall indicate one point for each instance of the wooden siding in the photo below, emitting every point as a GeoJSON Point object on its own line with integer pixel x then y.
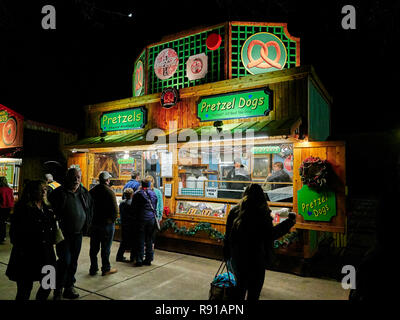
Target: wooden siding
{"type": "Point", "coordinates": [334, 152]}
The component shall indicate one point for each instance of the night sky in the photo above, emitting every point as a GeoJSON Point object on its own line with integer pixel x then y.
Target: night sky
{"type": "Point", "coordinates": [49, 75]}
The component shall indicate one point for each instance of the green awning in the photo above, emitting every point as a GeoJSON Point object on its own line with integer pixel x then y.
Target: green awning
{"type": "Point", "coordinates": [265, 128]}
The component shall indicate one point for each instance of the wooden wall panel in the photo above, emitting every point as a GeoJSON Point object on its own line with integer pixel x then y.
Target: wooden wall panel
{"type": "Point", "coordinates": [334, 152]}
{"type": "Point", "coordinates": [81, 160]}
{"type": "Point", "coordinates": [289, 101]}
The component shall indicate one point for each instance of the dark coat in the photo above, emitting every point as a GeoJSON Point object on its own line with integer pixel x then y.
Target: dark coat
{"type": "Point", "coordinates": [252, 244]}
{"type": "Point", "coordinates": [127, 221]}
{"type": "Point", "coordinates": [244, 176]}
{"type": "Point", "coordinates": [141, 205]}
{"type": "Point", "coordinates": [105, 205]}
{"type": "Point", "coordinates": [279, 176]}
{"type": "Point", "coordinates": [32, 234]}
{"type": "Point", "coordinates": [58, 200]}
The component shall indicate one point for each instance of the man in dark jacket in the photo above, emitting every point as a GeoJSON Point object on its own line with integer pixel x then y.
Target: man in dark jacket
{"type": "Point", "coordinates": [103, 224]}
{"type": "Point", "coordinates": [278, 175]}
{"type": "Point", "coordinates": [73, 207]}
{"type": "Point", "coordinates": [144, 203]}
{"type": "Point", "coordinates": [238, 173]}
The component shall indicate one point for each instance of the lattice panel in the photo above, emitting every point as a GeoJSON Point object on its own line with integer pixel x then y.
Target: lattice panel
{"type": "Point", "coordinates": [186, 47]}
{"type": "Point", "coordinates": [240, 33]}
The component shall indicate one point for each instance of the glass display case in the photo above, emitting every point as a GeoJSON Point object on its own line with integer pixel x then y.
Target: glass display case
{"type": "Point", "coordinates": [121, 164]}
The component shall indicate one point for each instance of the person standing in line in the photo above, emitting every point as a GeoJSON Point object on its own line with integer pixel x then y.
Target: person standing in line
{"type": "Point", "coordinates": [73, 207]}
{"type": "Point", "coordinates": [248, 242]}
{"type": "Point", "coordinates": [6, 204]}
{"type": "Point", "coordinates": [52, 185]}
{"type": "Point", "coordinates": [144, 203]}
{"type": "Point", "coordinates": [160, 205]}
{"type": "Point", "coordinates": [134, 182]}
{"type": "Point", "coordinates": [103, 225]}
{"type": "Point", "coordinates": [32, 234]}
{"type": "Point", "coordinates": [126, 214]}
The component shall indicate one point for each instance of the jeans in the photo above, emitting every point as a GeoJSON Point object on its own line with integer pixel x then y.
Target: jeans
{"type": "Point", "coordinates": [68, 253]}
{"type": "Point", "coordinates": [24, 289]}
{"type": "Point", "coordinates": [101, 236]}
{"type": "Point", "coordinates": [145, 239]}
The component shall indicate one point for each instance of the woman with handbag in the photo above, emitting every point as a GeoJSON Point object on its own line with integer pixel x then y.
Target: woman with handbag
{"type": "Point", "coordinates": [249, 240]}
{"type": "Point", "coordinates": [144, 203]}
{"type": "Point", "coordinates": [32, 233]}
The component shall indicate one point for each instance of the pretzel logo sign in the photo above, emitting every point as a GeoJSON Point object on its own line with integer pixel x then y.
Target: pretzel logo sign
{"type": "Point", "coordinates": [263, 52]}
{"type": "Point", "coordinates": [138, 81]}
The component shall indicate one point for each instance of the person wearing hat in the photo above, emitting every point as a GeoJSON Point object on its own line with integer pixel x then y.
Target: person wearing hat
{"type": "Point", "coordinates": [238, 173]}
{"type": "Point", "coordinates": [145, 203]}
{"type": "Point", "coordinates": [103, 224]}
{"type": "Point", "coordinates": [51, 184]}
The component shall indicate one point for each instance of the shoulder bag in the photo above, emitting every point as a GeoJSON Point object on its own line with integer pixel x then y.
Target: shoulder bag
{"type": "Point", "coordinates": [223, 287]}
{"type": "Point", "coordinates": [158, 228]}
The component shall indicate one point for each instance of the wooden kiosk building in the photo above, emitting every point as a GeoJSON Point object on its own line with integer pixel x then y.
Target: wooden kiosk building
{"type": "Point", "coordinates": [202, 99]}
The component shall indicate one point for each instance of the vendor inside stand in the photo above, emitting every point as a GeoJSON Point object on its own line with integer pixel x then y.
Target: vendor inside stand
{"type": "Point", "coordinates": [278, 175]}
{"type": "Point", "coordinates": [238, 173]}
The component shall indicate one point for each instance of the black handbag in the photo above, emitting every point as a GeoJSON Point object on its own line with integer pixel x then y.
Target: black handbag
{"type": "Point", "coordinates": [226, 291]}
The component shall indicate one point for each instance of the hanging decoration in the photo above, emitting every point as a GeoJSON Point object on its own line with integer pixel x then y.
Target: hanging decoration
{"type": "Point", "coordinates": [213, 41]}
{"type": "Point", "coordinates": [197, 66]}
{"type": "Point", "coordinates": [263, 52]}
{"type": "Point", "coordinates": [314, 172]}
{"type": "Point", "coordinates": [166, 63]}
{"type": "Point", "coordinates": [202, 226]}
{"type": "Point", "coordinates": [288, 239]}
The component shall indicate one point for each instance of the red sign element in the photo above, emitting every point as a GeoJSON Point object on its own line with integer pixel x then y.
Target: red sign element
{"type": "Point", "coordinates": [169, 97]}
{"type": "Point", "coordinates": [11, 128]}
{"type": "Point", "coordinates": [9, 131]}
{"type": "Point", "coordinates": [264, 62]}
{"type": "Point", "coordinates": [213, 41]}
{"type": "Point", "coordinates": [288, 163]}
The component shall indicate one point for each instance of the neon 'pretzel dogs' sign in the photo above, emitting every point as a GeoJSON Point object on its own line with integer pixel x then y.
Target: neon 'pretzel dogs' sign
{"type": "Point", "coordinates": [264, 62]}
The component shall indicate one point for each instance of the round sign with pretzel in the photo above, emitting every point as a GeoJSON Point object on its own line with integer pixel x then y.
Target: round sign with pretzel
{"type": "Point", "coordinates": [166, 63]}
{"type": "Point", "coordinates": [263, 52]}
{"type": "Point", "coordinates": [138, 82]}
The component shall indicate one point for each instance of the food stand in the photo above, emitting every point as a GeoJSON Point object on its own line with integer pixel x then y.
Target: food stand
{"type": "Point", "coordinates": [202, 99]}
{"type": "Point", "coordinates": [11, 132]}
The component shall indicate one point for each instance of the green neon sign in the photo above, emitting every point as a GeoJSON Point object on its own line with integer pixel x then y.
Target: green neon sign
{"type": "Point", "coordinates": [126, 161]}
{"type": "Point", "coordinates": [127, 119]}
{"type": "Point", "coordinates": [316, 206]}
{"type": "Point", "coordinates": [267, 149]}
{"type": "Point", "coordinates": [244, 104]}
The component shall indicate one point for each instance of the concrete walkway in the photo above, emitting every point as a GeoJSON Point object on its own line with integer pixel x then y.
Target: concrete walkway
{"type": "Point", "coordinates": [172, 276]}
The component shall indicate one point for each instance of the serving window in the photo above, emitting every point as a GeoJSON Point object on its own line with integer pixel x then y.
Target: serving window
{"type": "Point", "coordinates": [120, 165]}
{"type": "Point", "coordinates": [225, 172]}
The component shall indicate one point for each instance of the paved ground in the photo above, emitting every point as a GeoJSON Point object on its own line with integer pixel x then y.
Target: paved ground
{"type": "Point", "coordinates": [173, 276]}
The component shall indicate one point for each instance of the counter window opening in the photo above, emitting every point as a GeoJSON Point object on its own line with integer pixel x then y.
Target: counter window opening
{"type": "Point", "coordinates": [121, 164]}
{"type": "Point", "coordinates": [224, 173]}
